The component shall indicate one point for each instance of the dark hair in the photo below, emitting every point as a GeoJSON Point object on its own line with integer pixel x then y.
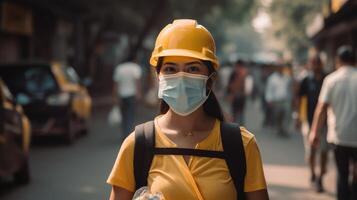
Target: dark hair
{"type": "Point", "coordinates": [211, 106]}
{"type": "Point", "coordinates": [240, 62]}
{"type": "Point", "coordinates": [345, 54]}
{"type": "Point", "coordinates": [316, 60]}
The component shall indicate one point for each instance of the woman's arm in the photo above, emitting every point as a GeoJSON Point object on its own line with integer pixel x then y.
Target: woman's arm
{"type": "Point", "coordinates": [257, 195]}
{"type": "Point", "coordinates": [120, 193]}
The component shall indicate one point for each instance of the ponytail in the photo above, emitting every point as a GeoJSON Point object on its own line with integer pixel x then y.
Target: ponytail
{"type": "Point", "coordinates": [212, 107]}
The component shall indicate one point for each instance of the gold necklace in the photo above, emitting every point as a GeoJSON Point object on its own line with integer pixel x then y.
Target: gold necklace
{"type": "Point", "coordinates": [185, 134]}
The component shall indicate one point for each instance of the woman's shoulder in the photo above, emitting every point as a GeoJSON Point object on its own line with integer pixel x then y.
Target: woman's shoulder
{"type": "Point", "coordinates": [247, 136]}
{"type": "Point", "coordinates": [129, 142]}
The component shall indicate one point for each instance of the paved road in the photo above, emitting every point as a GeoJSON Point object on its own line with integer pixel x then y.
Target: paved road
{"type": "Point", "coordinates": [79, 172]}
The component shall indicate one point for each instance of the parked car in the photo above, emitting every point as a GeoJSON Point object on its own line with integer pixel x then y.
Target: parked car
{"type": "Point", "coordinates": [53, 97]}
{"type": "Point", "coordinates": [15, 136]}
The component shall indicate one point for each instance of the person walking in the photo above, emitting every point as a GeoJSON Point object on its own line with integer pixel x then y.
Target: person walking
{"type": "Point", "coordinates": [338, 102]}
{"type": "Point", "coordinates": [277, 95]}
{"type": "Point", "coordinates": [127, 91]}
{"type": "Point", "coordinates": [186, 140]}
{"type": "Point", "coordinates": [221, 86]}
{"type": "Point", "coordinates": [236, 91]}
{"type": "Point", "coordinates": [310, 88]}
{"type": "Point", "coordinates": [266, 72]}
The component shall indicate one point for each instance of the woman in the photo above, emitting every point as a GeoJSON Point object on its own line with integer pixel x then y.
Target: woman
{"type": "Point", "coordinates": [186, 64]}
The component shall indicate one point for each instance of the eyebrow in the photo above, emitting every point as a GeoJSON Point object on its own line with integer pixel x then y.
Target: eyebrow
{"type": "Point", "coordinates": [170, 63]}
{"type": "Point", "coordinates": [194, 62]}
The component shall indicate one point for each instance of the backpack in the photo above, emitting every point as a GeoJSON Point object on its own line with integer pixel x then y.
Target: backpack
{"type": "Point", "coordinates": [233, 153]}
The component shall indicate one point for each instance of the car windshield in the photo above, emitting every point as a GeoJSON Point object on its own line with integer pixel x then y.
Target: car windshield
{"type": "Point", "coordinates": [30, 80]}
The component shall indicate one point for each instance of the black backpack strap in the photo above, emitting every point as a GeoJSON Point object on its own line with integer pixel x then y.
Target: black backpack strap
{"type": "Point", "coordinates": [143, 152]}
{"type": "Point", "coordinates": [235, 155]}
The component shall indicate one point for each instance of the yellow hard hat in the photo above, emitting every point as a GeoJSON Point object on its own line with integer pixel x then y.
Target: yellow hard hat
{"type": "Point", "coordinates": [184, 37]}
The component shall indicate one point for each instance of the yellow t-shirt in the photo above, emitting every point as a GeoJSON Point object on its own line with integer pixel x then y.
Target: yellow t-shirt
{"type": "Point", "coordinates": [203, 178]}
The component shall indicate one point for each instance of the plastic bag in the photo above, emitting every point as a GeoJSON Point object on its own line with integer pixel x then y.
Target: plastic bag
{"type": "Point", "coordinates": [114, 117]}
{"type": "Point", "coordinates": [144, 194]}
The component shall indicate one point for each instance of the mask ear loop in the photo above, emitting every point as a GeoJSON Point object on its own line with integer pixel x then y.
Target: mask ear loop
{"type": "Point", "coordinates": [209, 77]}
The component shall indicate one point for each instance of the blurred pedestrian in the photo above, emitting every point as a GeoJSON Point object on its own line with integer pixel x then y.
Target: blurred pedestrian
{"type": "Point", "coordinates": [236, 91]}
{"type": "Point", "coordinates": [127, 91]}
{"type": "Point", "coordinates": [309, 89]}
{"type": "Point", "coordinates": [266, 72]}
{"type": "Point", "coordinates": [278, 97]}
{"type": "Point", "coordinates": [180, 153]}
{"type": "Point", "coordinates": [249, 85]}
{"type": "Point", "coordinates": [221, 90]}
{"type": "Point", "coordinates": [151, 89]}
{"type": "Point", "coordinates": [338, 102]}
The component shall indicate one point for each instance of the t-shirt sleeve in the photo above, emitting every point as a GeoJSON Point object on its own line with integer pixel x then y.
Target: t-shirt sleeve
{"type": "Point", "coordinates": [254, 179]}
{"type": "Point", "coordinates": [137, 72]}
{"type": "Point", "coordinates": [269, 90]}
{"type": "Point", "coordinates": [122, 174]}
{"type": "Point", "coordinates": [116, 75]}
{"type": "Point", "coordinates": [325, 92]}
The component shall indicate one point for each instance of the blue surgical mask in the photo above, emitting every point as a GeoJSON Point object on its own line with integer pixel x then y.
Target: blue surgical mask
{"type": "Point", "coordinates": [183, 92]}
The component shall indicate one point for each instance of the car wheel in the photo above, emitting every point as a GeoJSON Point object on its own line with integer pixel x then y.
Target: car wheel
{"type": "Point", "coordinates": [22, 176]}
{"type": "Point", "coordinates": [70, 134]}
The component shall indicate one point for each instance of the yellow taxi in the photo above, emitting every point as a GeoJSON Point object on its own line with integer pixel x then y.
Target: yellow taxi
{"type": "Point", "coordinates": [15, 138]}
{"type": "Point", "coordinates": [52, 95]}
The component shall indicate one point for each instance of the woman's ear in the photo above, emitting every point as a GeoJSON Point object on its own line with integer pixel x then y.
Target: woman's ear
{"type": "Point", "coordinates": [156, 76]}
{"type": "Point", "coordinates": [155, 73]}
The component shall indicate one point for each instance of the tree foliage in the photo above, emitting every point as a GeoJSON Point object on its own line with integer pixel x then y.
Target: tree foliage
{"type": "Point", "coordinates": [290, 19]}
{"type": "Point", "coordinates": [140, 18]}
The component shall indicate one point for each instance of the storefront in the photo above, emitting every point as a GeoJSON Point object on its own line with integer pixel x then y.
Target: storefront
{"type": "Point", "coordinates": [340, 28]}
{"type": "Point", "coordinates": [15, 32]}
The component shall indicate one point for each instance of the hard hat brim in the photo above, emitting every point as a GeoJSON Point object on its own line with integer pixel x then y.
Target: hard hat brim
{"type": "Point", "coordinates": [182, 52]}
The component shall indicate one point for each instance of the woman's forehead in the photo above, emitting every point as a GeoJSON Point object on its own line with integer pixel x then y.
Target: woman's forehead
{"type": "Point", "coordinates": [179, 59]}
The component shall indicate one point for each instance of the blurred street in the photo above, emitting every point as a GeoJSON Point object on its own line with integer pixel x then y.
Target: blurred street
{"type": "Point", "coordinates": [80, 171]}
{"type": "Point", "coordinates": [275, 66]}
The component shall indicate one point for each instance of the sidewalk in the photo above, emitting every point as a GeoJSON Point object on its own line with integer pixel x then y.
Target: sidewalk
{"type": "Point", "coordinates": [286, 173]}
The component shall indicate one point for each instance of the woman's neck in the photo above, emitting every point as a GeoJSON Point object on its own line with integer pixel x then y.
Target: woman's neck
{"type": "Point", "coordinates": [189, 123]}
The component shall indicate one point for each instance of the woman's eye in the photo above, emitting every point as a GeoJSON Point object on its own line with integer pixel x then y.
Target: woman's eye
{"type": "Point", "coordinates": [169, 70]}
{"type": "Point", "coordinates": [193, 69]}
